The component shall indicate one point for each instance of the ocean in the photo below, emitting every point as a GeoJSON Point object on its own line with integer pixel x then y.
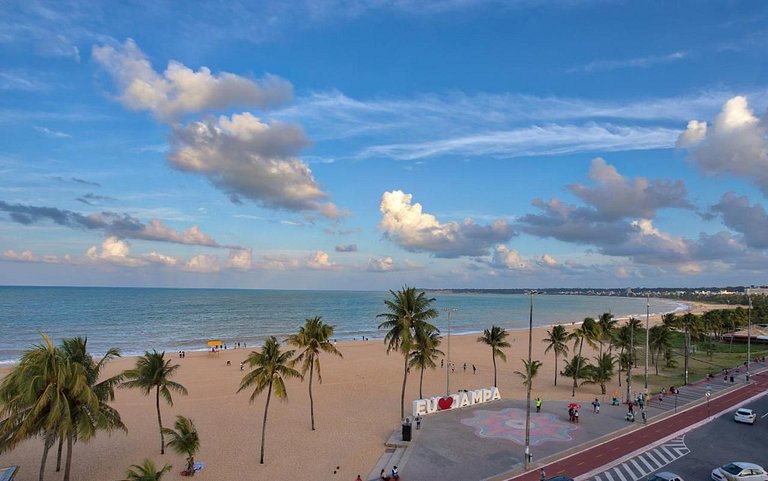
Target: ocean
{"type": "Point", "coordinates": [138, 319]}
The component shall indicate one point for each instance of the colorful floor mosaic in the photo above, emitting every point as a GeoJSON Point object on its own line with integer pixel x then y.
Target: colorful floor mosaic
{"type": "Point", "coordinates": [510, 424]}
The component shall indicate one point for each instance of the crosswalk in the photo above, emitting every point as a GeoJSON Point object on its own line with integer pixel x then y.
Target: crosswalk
{"type": "Point", "coordinates": [644, 464]}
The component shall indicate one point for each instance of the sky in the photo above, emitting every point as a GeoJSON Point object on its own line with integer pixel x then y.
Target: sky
{"type": "Point", "coordinates": [372, 144]}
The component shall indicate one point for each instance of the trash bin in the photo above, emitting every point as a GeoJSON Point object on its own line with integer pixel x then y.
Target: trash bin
{"type": "Point", "coordinates": [406, 431]}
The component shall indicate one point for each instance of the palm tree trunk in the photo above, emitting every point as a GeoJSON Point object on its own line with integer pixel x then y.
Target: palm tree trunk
{"type": "Point", "coordinates": [555, 369]}
{"type": "Point", "coordinates": [58, 454]}
{"type": "Point", "coordinates": [264, 422]}
{"type": "Point", "coordinates": [68, 465]}
{"type": "Point", "coordinates": [421, 382]}
{"type": "Point", "coordinates": [191, 466]}
{"type": "Point", "coordinates": [160, 420]}
{"type": "Point", "coordinates": [46, 447]}
{"type": "Point", "coordinates": [658, 354]}
{"type": "Point", "coordinates": [493, 356]}
{"type": "Point", "coordinates": [402, 393]}
{"type": "Point", "coordinates": [311, 400]}
{"type": "Point", "coordinates": [578, 368]}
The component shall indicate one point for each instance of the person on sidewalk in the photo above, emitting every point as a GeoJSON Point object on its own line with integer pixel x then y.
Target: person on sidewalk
{"type": "Point", "coordinates": [538, 404]}
{"type": "Point", "coordinates": [542, 475]}
{"type": "Point", "coordinates": [596, 406]}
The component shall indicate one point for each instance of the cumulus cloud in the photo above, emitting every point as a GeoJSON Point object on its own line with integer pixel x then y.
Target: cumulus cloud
{"type": "Point", "coordinates": [240, 259]}
{"type": "Point", "coordinates": [382, 264]}
{"type": "Point", "coordinates": [115, 251]}
{"type": "Point", "coordinates": [245, 157]}
{"type": "Point", "coordinates": [508, 258]}
{"type": "Point", "coordinates": [28, 256]}
{"type": "Point", "coordinates": [161, 259]}
{"type": "Point", "coordinates": [119, 225]}
{"type": "Point", "coordinates": [406, 225]}
{"type": "Point", "coordinates": [180, 90]}
{"type": "Point", "coordinates": [202, 263]}
{"type": "Point", "coordinates": [320, 260]}
{"type": "Point", "coordinates": [736, 144]}
{"type": "Point", "coordinates": [616, 197]}
{"type": "Point", "coordinates": [751, 221]}
{"type": "Point", "coordinates": [346, 248]}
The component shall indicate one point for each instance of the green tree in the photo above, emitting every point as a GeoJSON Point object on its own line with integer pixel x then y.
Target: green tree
{"type": "Point", "coordinates": [147, 471]}
{"type": "Point", "coordinates": [425, 353]}
{"type": "Point", "coordinates": [557, 341]}
{"type": "Point", "coordinates": [313, 338]}
{"type": "Point", "coordinates": [184, 440]}
{"type": "Point", "coordinates": [88, 421]}
{"type": "Point", "coordinates": [588, 331]}
{"type": "Point", "coordinates": [154, 372]}
{"type": "Point", "coordinates": [37, 398]}
{"type": "Point", "coordinates": [607, 326]}
{"type": "Point", "coordinates": [659, 341]}
{"type": "Point", "coordinates": [270, 369]}
{"type": "Point", "coordinates": [409, 312]}
{"type": "Point", "coordinates": [602, 372]}
{"type": "Point", "coordinates": [496, 339]}
{"type": "Point", "coordinates": [577, 368]}
{"type": "Point", "coordinates": [534, 369]}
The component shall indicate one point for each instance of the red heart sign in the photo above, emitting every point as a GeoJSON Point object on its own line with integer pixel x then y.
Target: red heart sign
{"type": "Point", "coordinates": [445, 403]}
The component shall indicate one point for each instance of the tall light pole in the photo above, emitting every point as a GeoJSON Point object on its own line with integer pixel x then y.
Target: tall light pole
{"type": "Point", "coordinates": [647, 335]}
{"type": "Point", "coordinates": [629, 360]}
{"type": "Point", "coordinates": [528, 386]}
{"type": "Point", "coordinates": [448, 364]}
{"type": "Point", "coordinates": [749, 333]}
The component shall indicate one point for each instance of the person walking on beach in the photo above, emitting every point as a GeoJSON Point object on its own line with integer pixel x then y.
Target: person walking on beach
{"type": "Point", "coordinates": [538, 404]}
{"type": "Point", "coordinates": [474, 369]}
{"type": "Point", "coordinates": [465, 367]}
{"type": "Point", "coordinates": [418, 421]}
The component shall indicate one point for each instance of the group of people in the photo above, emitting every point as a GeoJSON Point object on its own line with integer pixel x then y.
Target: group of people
{"type": "Point", "coordinates": [394, 474]}
{"type": "Point", "coordinates": [573, 415]}
{"type": "Point", "coordinates": [452, 366]}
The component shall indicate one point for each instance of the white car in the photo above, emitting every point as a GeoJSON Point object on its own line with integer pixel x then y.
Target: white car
{"type": "Point", "coordinates": [744, 415]}
{"type": "Point", "coordinates": [739, 471]}
{"type": "Point", "coordinates": [664, 476]}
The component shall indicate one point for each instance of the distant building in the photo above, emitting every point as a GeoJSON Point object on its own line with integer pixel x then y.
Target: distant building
{"type": "Point", "coordinates": [757, 291]}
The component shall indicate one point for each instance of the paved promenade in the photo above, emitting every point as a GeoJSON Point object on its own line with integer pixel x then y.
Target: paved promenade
{"type": "Point", "coordinates": [487, 442]}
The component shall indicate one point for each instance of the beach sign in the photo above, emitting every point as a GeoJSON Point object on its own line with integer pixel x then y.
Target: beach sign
{"type": "Point", "coordinates": [457, 400]}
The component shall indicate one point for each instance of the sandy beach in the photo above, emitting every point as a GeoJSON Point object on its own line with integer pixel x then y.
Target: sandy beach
{"type": "Point", "coordinates": [356, 409]}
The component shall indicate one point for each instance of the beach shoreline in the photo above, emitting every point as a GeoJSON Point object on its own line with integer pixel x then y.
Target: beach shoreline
{"type": "Point", "coordinates": [356, 409]}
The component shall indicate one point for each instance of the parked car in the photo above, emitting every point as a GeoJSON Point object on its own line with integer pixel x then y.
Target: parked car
{"type": "Point", "coordinates": [664, 476]}
{"type": "Point", "coordinates": [739, 471]}
{"type": "Point", "coordinates": [744, 415]}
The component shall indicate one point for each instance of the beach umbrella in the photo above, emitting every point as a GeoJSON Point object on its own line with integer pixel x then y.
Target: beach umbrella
{"type": "Point", "coordinates": [574, 406]}
{"type": "Point", "coordinates": [214, 343]}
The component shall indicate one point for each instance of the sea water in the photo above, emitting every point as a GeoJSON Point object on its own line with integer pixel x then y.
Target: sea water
{"type": "Point", "coordinates": [138, 319]}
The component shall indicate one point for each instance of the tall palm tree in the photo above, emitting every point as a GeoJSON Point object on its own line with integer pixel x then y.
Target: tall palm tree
{"type": "Point", "coordinates": [425, 353]}
{"type": "Point", "coordinates": [37, 398]}
{"type": "Point", "coordinates": [588, 331]}
{"type": "Point", "coordinates": [659, 340]}
{"type": "Point", "coordinates": [533, 369]}
{"type": "Point", "coordinates": [557, 341]}
{"type": "Point", "coordinates": [270, 369]}
{"type": "Point", "coordinates": [88, 421]}
{"type": "Point", "coordinates": [146, 471]}
{"type": "Point", "coordinates": [185, 441]}
{"type": "Point", "coordinates": [495, 337]}
{"type": "Point", "coordinates": [313, 338]}
{"type": "Point", "coordinates": [577, 367]}
{"type": "Point", "coordinates": [607, 325]}
{"type": "Point", "coordinates": [153, 371]}
{"type": "Point", "coordinates": [409, 312]}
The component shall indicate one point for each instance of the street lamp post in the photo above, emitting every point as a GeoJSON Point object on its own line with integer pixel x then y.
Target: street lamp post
{"type": "Point", "coordinates": [647, 335]}
{"type": "Point", "coordinates": [749, 333]}
{"type": "Point", "coordinates": [629, 360]}
{"type": "Point", "coordinates": [448, 356]}
{"type": "Point", "coordinates": [528, 455]}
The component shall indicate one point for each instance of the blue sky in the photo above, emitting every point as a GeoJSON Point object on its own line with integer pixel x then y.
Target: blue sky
{"type": "Point", "coordinates": [370, 144]}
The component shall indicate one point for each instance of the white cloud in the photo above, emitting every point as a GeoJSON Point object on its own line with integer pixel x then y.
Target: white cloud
{"type": "Point", "coordinates": [240, 259]}
{"type": "Point", "coordinates": [202, 263]}
{"type": "Point", "coordinates": [28, 256]}
{"type": "Point", "coordinates": [346, 248]}
{"type": "Point", "coordinates": [180, 90]}
{"type": "Point", "coordinates": [736, 144]}
{"type": "Point", "coordinates": [162, 259]}
{"type": "Point", "coordinates": [54, 134]}
{"type": "Point", "coordinates": [115, 251]}
{"type": "Point", "coordinates": [508, 258]}
{"type": "Point", "coordinates": [636, 62]}
{"type": "Point", "coordinates": [693, 134]}
{"type": "Point", "coordinates": [245, 157]}
{"type": "Point", "coordinates": [749, 220]}
{"type": "Point", "coordinates": [320, 260]}
{"type": "Point", "coordinates": [406, 225]}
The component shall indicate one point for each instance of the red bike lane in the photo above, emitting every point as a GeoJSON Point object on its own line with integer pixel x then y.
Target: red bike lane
{"type": "Point", "coordinates": [592, 458]}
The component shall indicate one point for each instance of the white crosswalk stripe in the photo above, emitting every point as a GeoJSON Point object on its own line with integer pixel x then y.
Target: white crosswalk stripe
{"type": "Point", "coordinates": [646, 463]}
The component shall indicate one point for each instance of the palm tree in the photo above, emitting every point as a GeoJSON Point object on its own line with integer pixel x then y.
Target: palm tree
{"type": "Point", "coordinates": [153, 371]}
{"type": "Point", "coordinates": [425, 353]}
{"type": "Point", "coordinates": [533, 369]}
{"type": "Point", "coordinates": [659, 340]}
{"type": "Point", "coordinates": [577, 368]}
{"type": "Point", "coordinates": [313, 338]}
{"type": "Point", "coordinates": [588, 331]}
{"type": "Point", "coordinates": [88, 421]}
{"type": "Point", "coordinates": [495, 337]}
{"type": "Point", "coordinates": [409, 312]}
{"type": "Point", "coordinates": [146, 471]}
{"type": "Point", "coordinates": [602, 372]}
{"type": "Point", "coordinates": [607, 325]}
{"type": "Point", "coordinates": [270, 368]}
{"type": "Point", "coordinates": [185, 441]}
{"type": "Point", "coordinates": [556, 341]}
